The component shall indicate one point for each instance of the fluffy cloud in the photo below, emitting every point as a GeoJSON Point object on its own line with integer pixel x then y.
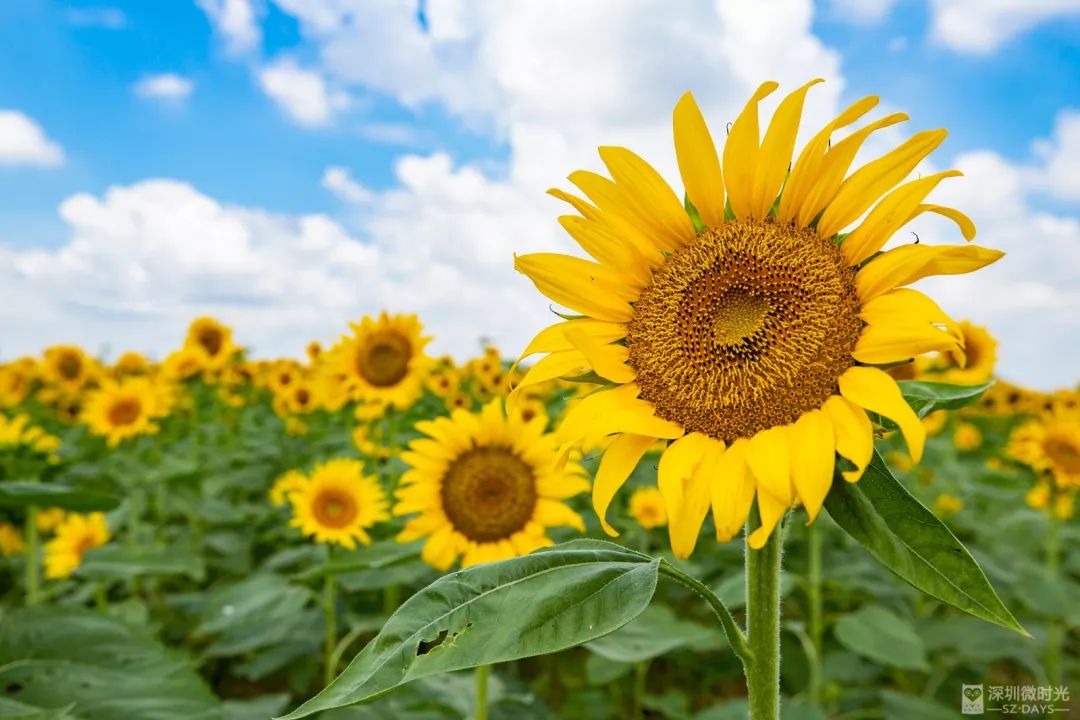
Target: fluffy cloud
{"type": "Point", "coordinates": [235, 21]}
{"type": "Point", "coordinates": [166, 86]}
{"type": "Point", "coordinates": [1060, 174]}
{"type": "Point", "coordinates": [301, 93]}
{"type": "Point", "coordinates": [980, 26]}
{"type": "Point", "coordinates": [23, 142]}
{"type": "Point", "coordinates": [337, 180]}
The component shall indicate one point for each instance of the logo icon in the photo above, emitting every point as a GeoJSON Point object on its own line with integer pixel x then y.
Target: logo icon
{"type": "Point", "coordinates": [971, 700]}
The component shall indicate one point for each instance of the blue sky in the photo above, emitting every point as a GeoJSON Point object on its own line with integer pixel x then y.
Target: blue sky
{"type": "Point", "coordinates": [445, 126]}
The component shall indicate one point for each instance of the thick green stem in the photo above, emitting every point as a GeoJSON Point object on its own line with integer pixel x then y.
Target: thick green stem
{"type": "Point", "coordinates": [330, 602]}
{"type": "Point", "coordinates": [1053, 628]}
{"type": "Point", "coordinates": [815, 625]}
{"type": "Point", "coordinates": [641, 673]}
{"type": "Point", "coordinates": [33, 579]}
{"type": "Point", "coordinates": [482, 674]}
{"type": "Point", "coordinates": [763, 628]}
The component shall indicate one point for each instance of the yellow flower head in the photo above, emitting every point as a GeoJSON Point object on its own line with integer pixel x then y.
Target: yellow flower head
{"type": "Point", "coordinates": [444, 382]}
{"type": "Point", "coordinates": [68, 366]}
{"type": "Point", "coordinates": [459, 401]}
{"type": "Point", "coordinates": [362, 439]}
{"type": "Point", "coordinates": [11, 540]}
{"type": "Point", "coordinates": [18, 432]}
{"type": "Point", "coordinates": [974, 362]}
{"type": "Point", "coordinates": [487, 487]}
{"type": "Point", "coordinates": [383, 360]}
{"type": "Point", "coordinates": [967, 437]}
{"type": "Point", "coordinates": [131, 363]}
{"type": "Point", "coordinates": [77, 534]}
{"type": "Point", "coordinates": [313, 350]}
{"type": "Point", "coordinates": [184, 363]}
{"type": "Point", "coordinates": [285, 485]}
{"type": "Point", "coordinates": [1050, 445]}
{"type": "Point", "coordinates": [749, 329]}
{"type": "Point", "coordinates": [647, 507]}
{"type": "Point", "coordinates": [935, 422]}
{"type": "Point", "coordinates": [211, 339]}
{"type": "Point", "coordinates": [947, 504]}
{"type": "Point", "coordinates": [1038, 497]}
{"type": "Point", "coordinates": [125, 409]}
{"type": "Point", "coordinates": [16, 379]}
{"type": "Point", "coordinates": [1063, 506]}
{"type": "Point", "coordinates": [339, 503]}
{"type": "Point", "coordinates": [49, 519]}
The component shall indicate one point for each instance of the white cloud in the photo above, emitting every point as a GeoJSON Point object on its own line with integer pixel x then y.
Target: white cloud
{"type": "Point", "coordinates": [981, 26]}
{"type": "Point", "coordinates": [1060, 175]}
{"type": "Point", "coordinates": [236, 21]}
{"type": "Point", "coordinates": [861, 12]}
{"type": "Point", "coordinates": [337, 180]}
{"type": "Point", "coordinates": [109, 18]}
{"type": "Point", "coordinates": [23, 142]}
{"type": "Point", "coordinates": [301, 93]}
{"type": "Point", "coordinates": [391, 134]}
{"type": "Point", "coordinates": [166, 86]}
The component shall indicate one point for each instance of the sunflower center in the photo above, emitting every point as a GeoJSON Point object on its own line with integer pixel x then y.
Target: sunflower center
{"type": "Point", "coordinates": [1063, 452]}
{"type": "Point", "coordinates": [385, 359]}
{"type": "Point", "coordinates": [745, 328]}
{"type": "Point", "coordinates": [489, 493]}
{"type": "Point", "coordinates": [84, 544]}
{"type": "Point", "coordinates": [70, 367]}
{"type": "Point", "coordinates": [125, 411]}
{"type": "Point", "coordinates": [334, 509]}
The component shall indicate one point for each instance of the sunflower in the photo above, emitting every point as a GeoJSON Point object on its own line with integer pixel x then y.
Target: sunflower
{"type": "Point", "coordinates": [49, 519]}
{"type": "Point", "coordinates": [339, 503]}
{"type": "Point", "coordinates": [384, 359]}
{"type": "Point", "coordinates": [746, 327]}
{"type": "Point", "coordinates": [313, 350]}
{"type": "Point", "coordinates": [487, 487]}
{"type": "Point", "coordinates": [76, 535]}
{"type": "Point", "coordinates": [11, 540]}
{"type": "Point", "coordinates": [213, 340]}
{"type": "Point", "coordinates": [184, 363]}
{"type": "Point", "coordinates": [647, 507]}
{"type": "Point", "coordinates": [947, 504]}
{"type": "Point", "coordinates": [285, 485]}
{"type": "Point", "coordinates": [975, 363]}
{"type": "Point", "coordinates": [121, 410]}
{"type": "Point", "coordinates": [15, 382]}
{"type": "Point", "coordinates": [131, 363]}
{"type": "Point", "coordinates": [967, 437]}
{"type": "Point", "coordinates": [1050, 445]}
{"type": "Point", "coordinates": [17, 431]}
{"type": "Point", "coordinates": [67, 366]}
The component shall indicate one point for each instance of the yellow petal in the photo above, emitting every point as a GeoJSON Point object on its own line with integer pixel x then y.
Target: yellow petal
{"type": "Point", "coordinates": [685, 489]}
{"type": "Point", "coordinates": [580, 285]}
{"type": "Point", "coordinates": [899, 341]}
{"type": "Point", "coordinates": [619, 409]}
{"type": "Point", "coordinates": [619, 460]}
{"type": "Point", "coordinates": [618, 211]}
{"type": "Point", "coordinates": [699, 164]}
{"type": "Point", "coordinates": [905, 264]}
{"type": "Point", "coordinates": [967, 227]}
{"type": "Point", "coordinates": [813, 458]}
{"type": "Point", "coordinates": [770, 510]}
{"type": "Point", "coordinates": [656, 204]}
{"type": "Point", "coordinates": [608, 250]}
{"type": "Point", "coordinates": [609, 361]}
{"type": "Point", "coordinates": [587, 211]}
{"type": "Point", "coordinates": [888, 216]}
{"type": "Point", "coordinates": [869, 182]}
{"type": "Point", "coordinates": [834, 166]}
{"type": "Point", "coordinates": [854, 434]}
{"type": "Point", "coordinates": [551, 513]}
{"type": "Point", "coordinates": [876, 391]}
{"type": "Point", "coordinates": [732, 491]}
{"type": "Point", "coordinates": [769, 459]}
{"type": "Point", "coordinates": [807, 168]}
{"type": "Point", "coordinates": [553, 338]}
{"type": "Point", "coordinates": [741, 153]}
{"type": "Point", "coordinates": [569, 363]}
{"type": "Point", "coordinates": [774, 158]}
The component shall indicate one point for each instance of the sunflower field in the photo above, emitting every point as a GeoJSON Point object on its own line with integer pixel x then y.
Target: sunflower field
{"type": "Point", "coordinates": [747, 472]}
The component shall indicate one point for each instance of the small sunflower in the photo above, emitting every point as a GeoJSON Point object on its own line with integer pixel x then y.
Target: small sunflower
{"type": "Point", "coordinates": [974, 363]}
{"type": "Point", "coordinates": [487, 487]}
{"type": "Point", "coordinates": [313, 350]}
{"type": "Point", "coordinates": [184, 363]}
{"type": "Point", "coordinates": [967, 437]}
{"type": "Point", "coordinates": [384, 359]}
{"type": "Point", "coordinates": [285, 485]}
{"type": "Point", "coordinates": [68, 366]}
{"type": "Point", "coordinates": [647, 507]}
{"type": "Point", "coordinates": [131, 363]}
{"type": "Point", "coordinates": [746, 326]}
{"type": "Point", "coordinates": [17, 432]}
{"type": "Point", "coordinates": [947, 504]}
{"type": "Point", "coordinates": [1051, 445]}
{"type": "Point", "coordinates": [49, 519]}
{"type": "Point", "coordinates": [11, 540]}
{"type": "Point", "coordinates": [76, 535]}
{"type": "Point", "coordinates": [339, 503]}
{"type": "Point", "coordinates": [16, 379]}
{"type": "Point", "coordinates": [213, 340]}
{"type": "Point", "coordinates": [125, 409]}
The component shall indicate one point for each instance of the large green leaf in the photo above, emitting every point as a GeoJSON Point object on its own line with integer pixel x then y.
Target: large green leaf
{"type": "Point", "coordinates": [880, 635]}
{"type": "Point", "coordinates": [653, 633]}
{"type": "Point", "coordinates": [926, 397]}
{"type": "Point", "coordinates": [532, 605]}
{"type": "Point", "coordinates": [22, 494]}
{"type": "Point", "coordinates": [55, 657]}
{"type": "Point", "coordinates": [905, 537]}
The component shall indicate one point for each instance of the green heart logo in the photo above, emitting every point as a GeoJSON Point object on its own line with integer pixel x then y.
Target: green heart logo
{"type": "Point", "coordinates": [972, 693]}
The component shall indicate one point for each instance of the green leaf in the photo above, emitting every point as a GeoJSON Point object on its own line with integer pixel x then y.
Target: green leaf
{"type": "Point", "coordinates": [880, 514]}
{"type": "Point", "coordinates": [655, 632]}
{"type": "Point", "coordinates": [540, 603]}
{"type": "Point", "coordinates": [22, 494]}
{"type": "Point", "coordinates": [53, 657]}
{"type": "Point", "coordinates": [126, 562]}
{"type": "Point", "coordinates": [880, 635]}
{"type": "Point", "coordinates": [907, 706]}
{"type": "Point", "coordinates": [926, 397]}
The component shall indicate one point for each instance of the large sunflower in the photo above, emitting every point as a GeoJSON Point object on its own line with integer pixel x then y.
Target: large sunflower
{"type": "Point", "coordinates": [1051, 445]}
{"type": "Point", "coordinates": [338, 503]}
{"type": "Point", "coordinates": [76, 535]}
{"type": "Point", "coordinates": [383, 360]}
{"type": "Point", "coordinates": [746, 327]}
{"type": "Point", "coordinates": [487, 487]}
{"type": "Point", "coordinates": [213, 340]}
{"type": "Point", "coordinates": [121, 410]}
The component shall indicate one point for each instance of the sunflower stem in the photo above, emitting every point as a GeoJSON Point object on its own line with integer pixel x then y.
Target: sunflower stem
{"type": "Point", "coordinates": [815, 623]}
{"type": "Point", "coordinates": [1053, 629]}
{"type": "Point", "coordinates": [482, 673]}
{"type": "Point", "coordinates": [33, 580]}
{"type": "Point", "coordinates": [330, 601]}
{"type": "Point", "coordinates": [641, 673]}
{"type": "Point", "coordinates": [735, 637]}
{"type": "Point", "coordinates": [763, 626]}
